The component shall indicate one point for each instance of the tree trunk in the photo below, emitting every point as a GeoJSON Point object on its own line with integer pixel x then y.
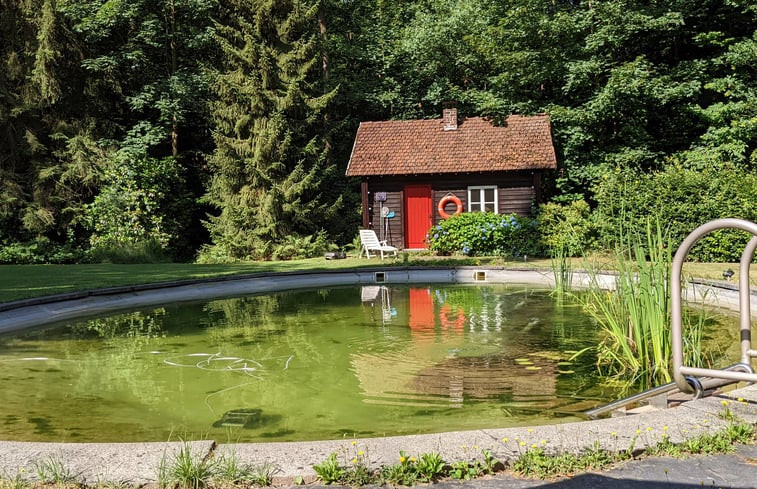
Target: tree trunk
{"type": "Point", "coordinates": [172, 47]}
{"type": "Point", "coordinates": [324, 49]}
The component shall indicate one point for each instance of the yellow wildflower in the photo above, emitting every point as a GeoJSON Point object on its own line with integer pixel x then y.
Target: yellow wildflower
{"type": "Point", "coordinates": [402, 460]}
{"type": "Point", "coordinates": [523, 443]}
{"type": "Point", "coordinates": [614, 434]}
{"type": "Point", "coordinates": [354, 461]}
{"type": "Point", "coordinates": [505, 440]}
{"type": "Point", "coordinates": [413, 460]}
{"type": "Point", "coordinates": [354, 443]}
{"type": "Point", "coordinates": [664, 428]}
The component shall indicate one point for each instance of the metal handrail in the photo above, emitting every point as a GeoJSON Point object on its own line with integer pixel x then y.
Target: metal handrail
{"type": "Point", "coordinates": [621, 403]}
{"type": "Point", "coordinates": [680, 371]}
{"type": "Point", "coordinates": [698, 386]}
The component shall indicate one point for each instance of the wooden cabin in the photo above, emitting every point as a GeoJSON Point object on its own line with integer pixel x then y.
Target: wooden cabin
{"type": "Point", "coordinates": [414, 173]}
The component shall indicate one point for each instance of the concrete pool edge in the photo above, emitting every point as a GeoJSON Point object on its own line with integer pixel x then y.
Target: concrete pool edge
{"type": "Point", "coordinates": [138, 462]}
{"type": "Point", "coordinates": [19, 315]}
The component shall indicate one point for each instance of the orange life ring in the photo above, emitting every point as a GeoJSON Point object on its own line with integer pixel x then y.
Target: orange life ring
{"type": "Point", "coordinates": [445, 320]}
{"type": "Point", "coordinates": [446, 200]}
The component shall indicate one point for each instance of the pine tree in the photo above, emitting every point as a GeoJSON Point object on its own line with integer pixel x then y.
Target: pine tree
{"type": "Point", "coordinates": [46, 156]}
{"type": "Point", "coordinates": [271, 157]}
{"type": "Point", "coordinates": [14, 32]}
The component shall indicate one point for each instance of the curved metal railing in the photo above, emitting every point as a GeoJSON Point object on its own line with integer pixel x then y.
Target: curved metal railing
{"type": "Point", "coordinates": [682, 374]}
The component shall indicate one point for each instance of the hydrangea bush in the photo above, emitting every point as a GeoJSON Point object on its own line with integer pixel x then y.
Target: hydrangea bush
{"type": "Point", "coordinates": [485, 233]}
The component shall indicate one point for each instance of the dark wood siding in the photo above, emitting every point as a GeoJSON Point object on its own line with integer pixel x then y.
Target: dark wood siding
{"type": "Point", "coordinates": [392, 230]}
{"type": "Point", "coordinates": [518, 200]}
{"type": "Point", "coordinates": [516, 193]}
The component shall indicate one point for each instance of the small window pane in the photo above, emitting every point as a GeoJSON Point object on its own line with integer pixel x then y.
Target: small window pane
{"type": "Point", "coordinates": [482, 198]}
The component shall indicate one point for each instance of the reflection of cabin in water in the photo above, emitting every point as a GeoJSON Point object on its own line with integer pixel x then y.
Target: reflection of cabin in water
{"type": "Point", "coordinates": [437, 374]}
{"type": "Point", "coordinates": [408, 167]}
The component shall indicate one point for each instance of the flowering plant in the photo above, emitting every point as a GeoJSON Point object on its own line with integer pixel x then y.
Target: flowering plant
{"type": "Point", "coordinates": [485, 233]}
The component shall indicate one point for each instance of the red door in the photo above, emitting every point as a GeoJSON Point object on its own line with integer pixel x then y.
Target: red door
{"type": "Point", "coordinates": [421, 310]}
{"type": "Point", "coordinates": [418, 215]}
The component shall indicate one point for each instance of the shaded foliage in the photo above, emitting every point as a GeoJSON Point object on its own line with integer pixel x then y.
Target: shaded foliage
{"type": "Point", "coordinates": [242, 113]}
{"type": "Point", "coordinates": [272, 154]}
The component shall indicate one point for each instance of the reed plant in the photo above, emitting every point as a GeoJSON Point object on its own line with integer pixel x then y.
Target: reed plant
{"type": "Point", "coordinates": [635, 318]}
{"type": "Point", "coordinates": [562, 269]}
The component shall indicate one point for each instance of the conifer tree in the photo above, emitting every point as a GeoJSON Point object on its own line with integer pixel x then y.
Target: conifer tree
{"type": "Point", "coordinates": [271, 158]}
{"type": "Point", "coordinates": [46, 155]}
{"type": "Point", "coordinates": [14, 32]}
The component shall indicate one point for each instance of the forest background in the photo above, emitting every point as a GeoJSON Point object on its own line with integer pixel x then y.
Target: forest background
{"type": "Point", "coordinates": [220, 130]}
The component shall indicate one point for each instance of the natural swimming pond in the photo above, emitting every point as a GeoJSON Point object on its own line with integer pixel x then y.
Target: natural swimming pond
{"type": "Point", "coordinates": [304, 365]}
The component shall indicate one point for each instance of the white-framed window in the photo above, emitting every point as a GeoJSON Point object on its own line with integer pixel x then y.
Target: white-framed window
{"type": "Point", "coordinates": [482, 198]}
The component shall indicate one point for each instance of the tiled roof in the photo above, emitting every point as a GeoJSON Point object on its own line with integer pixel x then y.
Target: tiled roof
{"type": "Point", "coordinates": [422, 146]}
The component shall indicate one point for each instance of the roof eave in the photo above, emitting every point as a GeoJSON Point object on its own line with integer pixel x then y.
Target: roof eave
{"type": "Point", "coordinates": [352, 153]}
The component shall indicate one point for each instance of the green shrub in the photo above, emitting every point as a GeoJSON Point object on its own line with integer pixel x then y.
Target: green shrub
{"type": "Point", "coordinates": [568, 228]}
{"type": "Point", "coordinates": [143, 199]}
{"type": "Point", "coordinates": [290, 247]}
{"type": "Point", "coordinates": [214, 254]}
{"type": "Point", "coordinates": [682, 199]}
{"type": "Point", "coordinates": [148, 251]}
{"type": "Point", "coordinates": [294, 247]}
{"type": "Point", "coordinates": [39, 251]}
{"type": "Point", "coordinates": [484, 233]}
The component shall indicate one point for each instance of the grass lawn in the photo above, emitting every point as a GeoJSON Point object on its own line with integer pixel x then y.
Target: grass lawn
{"type": "Point", "coordinates": [25, 281]}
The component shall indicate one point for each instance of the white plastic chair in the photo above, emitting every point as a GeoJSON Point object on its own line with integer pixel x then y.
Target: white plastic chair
{"type": "Point", "coordinates": [371, 243]}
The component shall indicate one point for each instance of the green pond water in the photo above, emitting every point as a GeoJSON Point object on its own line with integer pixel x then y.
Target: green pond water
{"type": "Point", "coordinates": [304, 365]}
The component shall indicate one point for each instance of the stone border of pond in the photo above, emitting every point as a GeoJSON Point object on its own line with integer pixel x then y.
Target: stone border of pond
{"type": "Point", "coordinates": [138, 463]}
{"type": "Point", "coordinates": [42, 311]}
